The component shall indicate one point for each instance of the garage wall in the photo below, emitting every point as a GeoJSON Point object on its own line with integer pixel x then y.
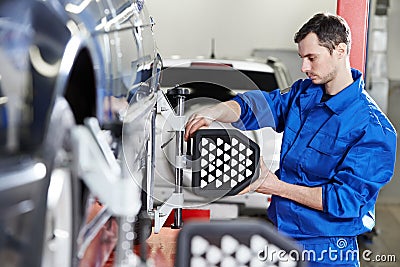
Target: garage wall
{"type": "Point", "coordinates": [394, 40]}
{"type": "Point", "coordinates": [186, 27]}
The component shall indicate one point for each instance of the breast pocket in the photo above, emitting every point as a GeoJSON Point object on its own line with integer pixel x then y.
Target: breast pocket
{"type": "Point", "coordinates": [292, 128]}
{"type": "Point", "coordinates": [322, 156]}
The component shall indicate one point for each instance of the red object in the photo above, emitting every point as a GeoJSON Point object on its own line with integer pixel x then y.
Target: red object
{"type": "Point", "coordinates": [103, 244]}
{"type": "Point", "coordinates": [161, 247]}
{"type": "Point", "coordinates": [355, 12]}
{"type": "Point", "coordinates": [189, 215]}
{"type": "Point", "coordinates": [211, 65]}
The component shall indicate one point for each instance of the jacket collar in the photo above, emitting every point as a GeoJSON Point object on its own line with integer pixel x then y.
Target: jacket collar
{"type": "Point", "coordinates": [344, 98]}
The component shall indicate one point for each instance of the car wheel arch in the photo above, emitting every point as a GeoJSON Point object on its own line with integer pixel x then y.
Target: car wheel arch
{"type": "Point", "coordinates": [80, 88]}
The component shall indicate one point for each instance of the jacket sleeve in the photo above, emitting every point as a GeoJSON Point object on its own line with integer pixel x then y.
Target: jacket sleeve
{"type": "Point", "coordinates": [366, 168]}
{"type": "Point", "coordinates": [261, 109]}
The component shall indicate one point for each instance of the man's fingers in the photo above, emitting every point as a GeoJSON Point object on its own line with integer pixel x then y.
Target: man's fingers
{"type": "Point", "coordinates": [245, 191]}
{"type": "Point", "coordinates": [191, 127]}
{"type": "Point", "coordinates": [194, 123]}
{"type": "Point", "coordinates": [252, 187]}
{"type": "Point", "coordinates": [257, 183]}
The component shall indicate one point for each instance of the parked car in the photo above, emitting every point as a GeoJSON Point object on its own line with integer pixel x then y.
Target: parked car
{"type": "Point", "coordinates": [62, 61]}
{"type": "Point", "coordinates": [211, 81]}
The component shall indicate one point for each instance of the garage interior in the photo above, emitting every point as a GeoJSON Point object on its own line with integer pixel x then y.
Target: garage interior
{"type": "Point", "coordinates": [105, 231]}
{"type": "Point", "coordinates": [246, 40]}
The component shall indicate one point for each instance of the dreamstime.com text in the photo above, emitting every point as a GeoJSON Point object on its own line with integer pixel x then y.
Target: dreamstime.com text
{"type": "Point", "coordinates": [332, 254]}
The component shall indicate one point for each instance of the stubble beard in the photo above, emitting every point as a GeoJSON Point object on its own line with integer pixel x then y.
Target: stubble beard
{"type": "Point", "coordinates": [325, 79]}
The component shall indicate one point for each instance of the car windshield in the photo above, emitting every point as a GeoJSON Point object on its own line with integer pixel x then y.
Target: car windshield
{"type": "Point", "coordinates": [228, 77]}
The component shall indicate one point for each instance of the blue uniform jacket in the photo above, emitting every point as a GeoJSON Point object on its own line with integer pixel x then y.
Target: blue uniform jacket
{"type": "Point", "coordinates": [345, 145]}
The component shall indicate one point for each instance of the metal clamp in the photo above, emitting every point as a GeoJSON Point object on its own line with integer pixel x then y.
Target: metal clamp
{"type": "Point", "coordinates": [161, 213]}
{"type": "Point", "coordinates": [177, 122]}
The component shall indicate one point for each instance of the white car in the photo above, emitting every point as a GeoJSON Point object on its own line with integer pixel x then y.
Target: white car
{"type": "Point", "coordinates": [211, 81]}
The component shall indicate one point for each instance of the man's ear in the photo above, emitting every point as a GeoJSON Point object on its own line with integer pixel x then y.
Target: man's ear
{"type": "Point", "coordinates": [341, 49]}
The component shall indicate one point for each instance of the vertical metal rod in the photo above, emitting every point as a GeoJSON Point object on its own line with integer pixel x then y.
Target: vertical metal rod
{"type": "Point", "coordinates": [124, 247]}
{"type": "Point", "coordinates": [178, 166]}
{"type": "Point", "coordinates": [151, 164]}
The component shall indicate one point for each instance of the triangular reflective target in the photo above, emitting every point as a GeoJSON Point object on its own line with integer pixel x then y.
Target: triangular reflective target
{"type": "Point", "coordinates": [226, 157]}
{"type": "Point", "coordinates": [211, 157]}
{"type": "Point", "coordinates": [233, 183]}
{"type": "Point", "coordinates": [234, 152]}
{"type": "Point", "coordinates": [248, 173]}
{"type": "Point", "coordinates": [211, 168]}
{"type": "Point", "coordinates": [219, 162]}
{"type": "Point", "coordinates": [241, 147]}
{"type": "Point", "coordinates": [249, 152]}
{"type": "Point", "coordinates": [226, 147]}
{"type": "Point", "coordinates": [233, 173]}
{"type": "Point", "coordinates": [204, 142]}
{"type": "Point", "coordinates": [248, 162]}
{"type": "Point", "coordinates": [226, 167]}
{"type": "Point", "coordinates": [223, 155]}
{"type": "Point", "coordinates": [219, 141]}
{"type": "Point", "coordinates": [203, 162]}
{"type": "Point", "coordinates": [226, 178]}
{"type": "Point", "coordinates": [230, 243]}
{"type": "Point", "coordinates": [234, 141]}
{"type": "Point", "coordinates": [257, 243]}
{"type": "Point", "coordinates": [211, 178]}
{"type": "Point", "coordinates": [241, 167]}
{"type": "Point", "coordinates": [234, 162]}
{"type": "Point", "coordinates": [212, 147]}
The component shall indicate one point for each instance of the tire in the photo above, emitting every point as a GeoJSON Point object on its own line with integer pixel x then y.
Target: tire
{"type": "Point", "coordinates": [63, 202]}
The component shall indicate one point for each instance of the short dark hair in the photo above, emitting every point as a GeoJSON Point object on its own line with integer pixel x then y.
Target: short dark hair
{"type": "Point", "coordinates": [330, 29]}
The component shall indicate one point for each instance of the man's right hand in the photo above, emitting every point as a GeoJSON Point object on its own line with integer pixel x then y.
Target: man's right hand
{"type": "Point", "coordinates": [226, 112]}
{"type": "Point", "coordinates": [197, 121]}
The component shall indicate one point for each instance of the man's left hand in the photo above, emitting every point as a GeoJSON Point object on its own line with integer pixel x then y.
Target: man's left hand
{"type": "Point", "coordinates": [266, 183]}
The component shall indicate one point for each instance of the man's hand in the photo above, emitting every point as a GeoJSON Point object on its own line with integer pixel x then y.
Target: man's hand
{"type": "Point", "coordinates": [266, 183]}
{"type": "Point", "coordinates": [226, 112]}
{"type": "Point", "coordinates": [196, 121]}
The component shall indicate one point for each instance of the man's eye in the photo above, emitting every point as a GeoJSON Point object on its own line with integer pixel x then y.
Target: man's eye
{"type": "Point", "coordinates": [311, 58]}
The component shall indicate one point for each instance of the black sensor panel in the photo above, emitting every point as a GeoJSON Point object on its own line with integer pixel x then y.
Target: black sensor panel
{"type": "Point", "coordinates": [251, 243]}
{"type": "Point", "coordinates": [224, 162]}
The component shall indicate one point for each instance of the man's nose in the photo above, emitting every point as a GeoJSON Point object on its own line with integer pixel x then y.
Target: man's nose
{"type": "Point", "coordinates": [305, 65]}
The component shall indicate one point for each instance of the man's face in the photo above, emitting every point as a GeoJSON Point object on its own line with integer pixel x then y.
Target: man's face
{"type": "Point", "coordinates": [317, 63]}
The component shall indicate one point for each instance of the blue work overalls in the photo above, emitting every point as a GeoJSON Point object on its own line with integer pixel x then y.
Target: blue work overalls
{"type": "Point", "coordinates": [345, 145]}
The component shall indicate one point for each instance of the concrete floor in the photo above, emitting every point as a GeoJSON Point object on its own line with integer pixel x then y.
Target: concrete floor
{"type": "Point", "coordinates": [387, 241]}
